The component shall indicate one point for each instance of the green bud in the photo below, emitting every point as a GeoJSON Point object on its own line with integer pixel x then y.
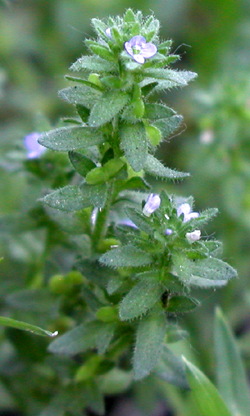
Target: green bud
{"type": "Point", "coordinates": [153, 135]}
{"type": "Point", "coordinates": [75, 278]}
{"type": "Point", "coordinates": [112, 167]}
{"type": "Point", "coordinates": [138, 108]}
{"type": "Point", "coordinates": [89, 369]}
{"type": "Point", "coordinates": [95, 79]}
{"type": "Point", "coordinates": [59, 285]}
{"type": "Point", "coordinates": [107, 314]}
{"type": "Point", "coordinates": [106, 244]}
{"type": "Point", "coordinates": [96, 176]}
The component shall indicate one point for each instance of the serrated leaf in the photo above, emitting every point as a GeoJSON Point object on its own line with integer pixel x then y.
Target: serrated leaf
{"type": "Point", "coordinates": [65, 139]}
{"type": "Point", "coordinates": [80, 95]}
{"type": "Point", "coordinates": [81, 163]}
{"type": "Point", "coordinates": [155, 111]}
{"type": "Point", "coordinates": [126, 256]}
{"type": "Point", "coordinates": [209, 272]}
{"type": "Point", "coordinates": [140, 299]}
{"type": "Point", "coordinates": [154, 167]}
{"type": "Point", "coordinates": [178, 77]}
{"type": "Point", "coordinates": [107, 107]}
{"type": "Point", "coordinates": [168, 125]}
{"type": "Point", "coordinates": [171, 369]}
{"type": "Point", "coordinates": [204, 393]}
{"type": "Point", "coordinates": [71, 198]}
{"type": "Point", "coordinates": [13, 323]}
{"type": "Point", "coordinates": [134, 144]}
{"type": "Point", "coordinates": [149, 343]}
{"type": "Point", "coordinates": [181, 304]}
{"type": "Point", "coordinates": [231, 375]}
{"type": "Point", "coordinates": [93, 63]}
{"type": "Point", "coordinates": [86, 336]}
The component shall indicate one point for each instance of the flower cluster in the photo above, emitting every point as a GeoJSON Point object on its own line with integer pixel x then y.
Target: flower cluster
{"type": "Point", "coordinates": [184, 211]}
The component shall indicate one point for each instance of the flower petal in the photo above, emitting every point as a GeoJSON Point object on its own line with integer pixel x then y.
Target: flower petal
{"type": "Point", "coordinates": [148, 50]}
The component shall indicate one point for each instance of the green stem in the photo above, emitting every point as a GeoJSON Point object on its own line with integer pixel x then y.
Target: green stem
{"type": "Point", "coordinates": [100, 227]}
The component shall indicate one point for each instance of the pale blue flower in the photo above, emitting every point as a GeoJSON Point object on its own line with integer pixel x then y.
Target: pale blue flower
{"type": "Point", "coordinates": [193, 236]}
{"type": "Point", "coordinates": [152, 204]}
{"type": "Point", "coordinates": [34, 149]}
{"type": "Point", "coordinates": [139, 49]}
{"type": "Point", "coordinates": [186, 211]}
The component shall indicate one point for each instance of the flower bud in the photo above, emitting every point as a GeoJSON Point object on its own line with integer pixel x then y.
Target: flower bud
{"type": "Point", "coordinates": [152, 204]}
{"type": "Point", "coordinates": [193, 236]}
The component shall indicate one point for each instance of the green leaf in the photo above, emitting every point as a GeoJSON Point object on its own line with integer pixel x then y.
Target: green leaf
{"type": "Point", "coordinates": [134, 144]}
{"type": "Point", "coordinates": [100, 50]}
{"type": "Point", "coordinates": [126, 256]}
{"type": "Point", "coordinates": [12, 323]}
{"type": "Point", "coordinates": [140, 299]}
{"type": "Point", "coordinates": [204, 393]}
{"type": "Point", "coordinates": [86, 336]}
{"type": "Point", "coordinates": [155, 111]}
{"type": "Point", "coordinates": [107, 107]}
{"type": "Point", "coordinates": [71, 198]}
{"type": "Point", "coordinates": [209, 272]}
{"type": "Point", "coordinates": [168, 125]}
{"type": "Point", "coordinates": [80, 94]}
{"type": "Point", "coordinates": [182, 304]}
{"type": "Point", "coordinates": [231, 375]}
{"type": "Point", "coordinates": [154, 167]}
{"type": "Point", "coordinates": [149, 343]}
{"type": "Point", "coordinates": [81, 163]}
{"type": "Point", "coordinates": [65, 139]}
{"type": "Point", "coordinates": [180, 78]}
{"type": "Point", "coordinates": [93, 63]}
{"type": "Point", "coordinates": [171, 369]}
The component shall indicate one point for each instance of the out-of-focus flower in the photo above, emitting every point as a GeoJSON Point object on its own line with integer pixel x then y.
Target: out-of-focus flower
{"type": "Point", "coordinates": [108, 32]}
{"type": "Point", "coordinates": [139, 49]}
{"type": "Point", "coordinates": [34, 149]}
{"type": "Point", "coordinates": [207, 136]}
{"type": "Point", "coordinates": [193, 236]}
{"type": "Point", "coordinates": [152, 204]}
{"type": "Point", "coordinates": [186, 211]}
{"type": "Point", "coordinates": [168, 231]}
{"type": "Point", "coordinates": [127, 222]}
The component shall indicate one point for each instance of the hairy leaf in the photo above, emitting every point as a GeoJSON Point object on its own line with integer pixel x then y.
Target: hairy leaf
{"type": "Point", "coordinates": [154, 167]}
{"type": "Point", "coordinates": [140, 299]}
{"type": "Point", "coordinates": [107, 107]}
{"type": "Point", "coordinates": [134, 144]}
{"type": "Point", "coordinates": [65, 139]}
{"type": "Point", "coordinates": [149, 343]}
{"type": "Point", "coordinates": [126, 256]}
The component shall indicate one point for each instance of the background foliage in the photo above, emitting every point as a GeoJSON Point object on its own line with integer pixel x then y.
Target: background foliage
{"type": "Point", "coordinates": [39, 41]}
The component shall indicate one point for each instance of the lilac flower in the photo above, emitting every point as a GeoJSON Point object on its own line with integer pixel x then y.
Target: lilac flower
{"type": "Point", "coordinates": [152, 204]}
{"type": "Point", "coordinates": [34, 149]}
{"type": "Point", "coordinates": [168, 231]}
{"type": "Point", "coordinates": [193, 236]}
{"type": "Point", "coordinates": [185, 209]}
{"type": "Point", "coordinates": [139, 49]}
{"type": "Point", "coordinates": [128, 223]}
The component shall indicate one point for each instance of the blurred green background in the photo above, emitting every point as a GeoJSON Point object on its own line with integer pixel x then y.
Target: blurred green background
{"type": "Point", "coordinates": [38, 42]}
